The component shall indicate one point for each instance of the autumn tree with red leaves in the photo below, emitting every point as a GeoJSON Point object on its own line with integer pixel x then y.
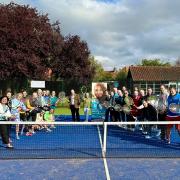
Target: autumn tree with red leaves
{"type": "Point", "coordinates": [73, 62]}
{"type": "Point", "coordinates": [26, 39]}
{"type": "Point", "coordinates": [31, 47]}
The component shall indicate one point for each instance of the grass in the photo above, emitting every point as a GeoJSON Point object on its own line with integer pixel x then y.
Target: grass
{"type": "Point", "coordinates": [66, 111]}
{"type": "Point", "coordinates": [63, 108]}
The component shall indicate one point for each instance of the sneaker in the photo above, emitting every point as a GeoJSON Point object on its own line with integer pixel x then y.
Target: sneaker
{"type": "Point", "coordinates": [17, 137]}
{"type": "Point", "coordinates": [9, 146]}
{"type": "Point", "coordinates": [29, 134]}
{"type": "Point", "coordinates": [148, 137]}
{"type": "Point", "coordinates": [140, 128]}
{"type": "Point", "coordinates": [144, 132]}
{"type": "Point", "coordinates": [52, 127]}
{"type": "Point", "coordinates": [120, 125]}
{"type": "Point", "coordinates": [48, 130]}
{"type": "Point", "coordinates": [158, 133]}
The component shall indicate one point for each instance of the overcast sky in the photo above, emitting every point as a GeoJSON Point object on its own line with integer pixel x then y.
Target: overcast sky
{"type": "Point", "coordinates": [119, 32]}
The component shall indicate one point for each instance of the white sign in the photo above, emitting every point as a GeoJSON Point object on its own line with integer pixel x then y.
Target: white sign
{"type": "Point", "coordinates": [37, 84]}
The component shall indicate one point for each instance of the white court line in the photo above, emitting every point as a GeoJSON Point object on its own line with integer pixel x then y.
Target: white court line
{"type": "Point", "coordinates": [104, 158]}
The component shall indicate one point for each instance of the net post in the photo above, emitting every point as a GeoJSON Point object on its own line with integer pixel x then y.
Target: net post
{"type": "Point", "coordinates": [105, 138]}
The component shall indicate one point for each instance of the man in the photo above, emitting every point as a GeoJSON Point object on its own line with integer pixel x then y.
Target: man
{"type": "Point", "coordinates": [172, 114]}
{"type": "Point", "coordinates": [127, 107]}
{"type": "Point", "coordinates": [149, 114]}
{"type": "Point", "coordinates": [151, 98]}
{"type": "Point", "coordinates": [162, 105]}
{"type": "Point", "coordinates": [41, 100]}
{"type": "Point", "coordinates": [74, 100]}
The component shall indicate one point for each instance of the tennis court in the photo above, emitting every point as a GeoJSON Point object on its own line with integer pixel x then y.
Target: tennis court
{"type": "Point", "coordinates": [75, 151]}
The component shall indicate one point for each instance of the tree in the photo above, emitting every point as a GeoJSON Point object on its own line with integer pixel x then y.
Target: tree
{"type": "Point", "coordinates": [153, 62]}
{"type": "Point", "coordinates": [98, 69]}
{"type": "Point", "coordinates": [177, 63]}
{"type": "Point", "coordinates": [26, 42]}
{"type": "Point", "coordinates": [32, 48]}
{"type": "Point", "coordinates": [122, 77]}
{"type": "Point", "coordinates": [73, 63]}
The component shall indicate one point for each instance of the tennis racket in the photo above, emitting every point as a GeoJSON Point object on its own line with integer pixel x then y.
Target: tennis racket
{"type": "Point", "coordinates": [62, 95]}
{"type": "Point", "coordinates": [126, 109]}
{"type": "Point", "coordinates": [128, 104]}
{"type": "Point", "coordinates": [174, 108]}
{"type": "Point", "coordinates": [153, 100]}
{"type": "Point", "coordinates": [161, 107]}
{"type": "Point", "coordinates": [106, 104]}
{"type": "Point", "coordinates": [118, 107]}
{"type": "Point", "coordinates": [83, 89]}
{"type": "Point", "coordinates": [128, 101]}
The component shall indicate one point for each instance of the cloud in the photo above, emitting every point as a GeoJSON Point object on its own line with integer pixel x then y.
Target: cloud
{"type": "Point", "coordinates": [119, 32]}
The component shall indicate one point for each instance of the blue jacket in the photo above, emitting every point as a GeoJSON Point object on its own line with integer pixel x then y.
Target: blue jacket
{"type": "Point", "coordinates": [176, 100]}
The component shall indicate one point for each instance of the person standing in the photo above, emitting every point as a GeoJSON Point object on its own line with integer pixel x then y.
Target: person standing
{"type": "Point", "coordinates": [4, 115]}
{"type": "Point", "coordinates": [149, 114]}
{"type": "Point", "coordinates": [87, 104]}
{"type": "Point", "coordinates": [74, 100]}
{"type": "Point", "coordinates": [173, 98]}
{"type": "Point", "coordinates": [53, 101]}
{"type": "Point", "coordinates": [17, 106]}
{"type": "Point", "coordinates": [162, 105]}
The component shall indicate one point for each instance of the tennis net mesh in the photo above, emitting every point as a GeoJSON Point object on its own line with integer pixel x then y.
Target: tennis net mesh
{"type": "Point", "coordinates": [90, 140]}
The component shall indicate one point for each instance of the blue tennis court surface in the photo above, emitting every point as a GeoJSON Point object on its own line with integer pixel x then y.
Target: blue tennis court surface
{"type": "Point", "coordinates": [126, 143]}
{"type": "Point", "coordinates": [63, 142]}
{"type": "Point", "coordinates": [70, 152]}
{"type": "Point", "coordinates": [90, 169]}
{"type": "Point", "coordinates": [52, 169]}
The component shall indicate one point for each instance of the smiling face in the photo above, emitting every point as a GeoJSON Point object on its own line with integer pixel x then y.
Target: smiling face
{"type": "Point", "coordinates": [98, 91]}
{"type": "Point", "coordinates": [19, 96]}
{"type": "Point", "coordinates": [24, 94]}
{"type": "Point", "coordinates": [4, 100]}
{"type": "Point", "coordinates": [172, 91]}
{"type": "Point", "coordinates": [53, 93]}
{"type": "Point", "coordinates": [9, 95]}
{"type": "Point", "coordinates": [145, 104]}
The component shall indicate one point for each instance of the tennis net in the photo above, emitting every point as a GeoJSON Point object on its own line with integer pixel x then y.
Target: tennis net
{"type": "Point", "coordinates": [90, 140]}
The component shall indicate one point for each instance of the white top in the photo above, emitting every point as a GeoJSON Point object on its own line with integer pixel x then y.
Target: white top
{"type": "Point", "coordinates": [72, 100]}
{"type": "Point", "coordinates": [4, 112]}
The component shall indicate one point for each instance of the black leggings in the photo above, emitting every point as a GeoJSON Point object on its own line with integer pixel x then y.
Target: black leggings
{"type": "Point", "coordinates": [75, 113]}
{"type": "Point", "coordinates": [4, 131]}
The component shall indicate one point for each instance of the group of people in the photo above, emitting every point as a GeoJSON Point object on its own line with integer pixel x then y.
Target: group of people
{"type": "Point", "coordinates": [38, 107]}
{"type": "Point", "coordinates": [120, 105]}
{"type": "Point", "coordinates": [138, 106]}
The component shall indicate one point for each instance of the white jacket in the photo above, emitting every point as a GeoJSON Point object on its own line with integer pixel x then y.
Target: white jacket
{"type": "Point", "coordinates": [4, 112]}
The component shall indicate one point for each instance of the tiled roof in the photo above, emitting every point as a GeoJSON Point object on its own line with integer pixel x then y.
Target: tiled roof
{"type": "Point", "coordinates": [155, 73]}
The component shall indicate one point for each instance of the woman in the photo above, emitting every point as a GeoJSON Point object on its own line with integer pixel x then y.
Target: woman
{"type": "Point", "coordinates": [87, 104]}
{"type": "Point", "coordinates": [53, 101]}
{"type": "Point", "coordinates": [4, 115]}
{"type": "Point", "coordinates": [17, 106]}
